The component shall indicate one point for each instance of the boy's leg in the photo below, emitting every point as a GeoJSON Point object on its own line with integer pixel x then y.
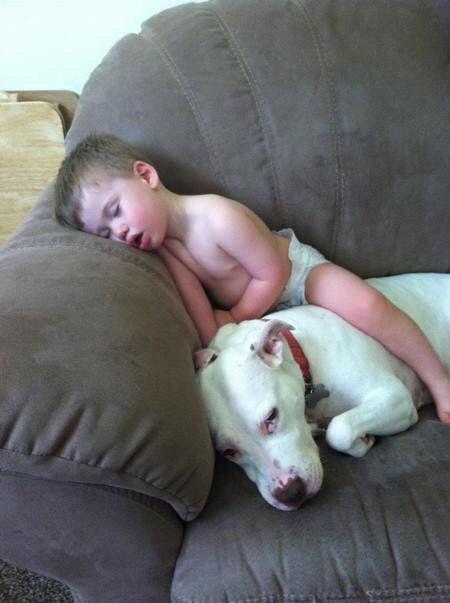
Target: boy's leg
{"type": "Point", "coordinates": [440, 391]}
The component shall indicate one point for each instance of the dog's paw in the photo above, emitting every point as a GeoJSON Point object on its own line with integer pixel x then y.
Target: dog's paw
{"type": "Point", "coordinates": [342, 435]}
{"type": "Point", "coordinates": [361, 446]}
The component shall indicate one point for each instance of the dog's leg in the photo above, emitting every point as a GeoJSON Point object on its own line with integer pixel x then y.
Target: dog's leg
{"type": "Point", "coordinates": [385, 410]}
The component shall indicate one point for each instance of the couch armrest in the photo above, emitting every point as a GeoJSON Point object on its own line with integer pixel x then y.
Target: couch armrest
{"type": "Point", "coordinates": [97, 379]}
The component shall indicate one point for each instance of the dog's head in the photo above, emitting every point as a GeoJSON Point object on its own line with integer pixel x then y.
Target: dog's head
{"type": "Point", "coordinates": [254, 394]}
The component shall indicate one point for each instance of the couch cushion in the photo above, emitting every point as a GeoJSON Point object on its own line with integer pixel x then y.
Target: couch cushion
{"type": "Point", "coordinates": [330, 117]}
{"type": "Point", "coordinates": [96, 358]}
{"type": "Point", "coordinates": [378, 529]}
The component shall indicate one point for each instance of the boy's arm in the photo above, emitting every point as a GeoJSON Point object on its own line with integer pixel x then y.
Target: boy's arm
{"type": "Point", "coordinates": [240, 238]}
{"type": "Point", "coordinates": [259, 296]}
{"type": "Point", "coordinates": [366, 308]}
{"type": "Point", "coordinates": [193, 295]}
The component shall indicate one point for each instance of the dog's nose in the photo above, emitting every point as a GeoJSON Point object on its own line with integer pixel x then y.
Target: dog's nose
{"type": "Point", "coordinates": [293, 493]}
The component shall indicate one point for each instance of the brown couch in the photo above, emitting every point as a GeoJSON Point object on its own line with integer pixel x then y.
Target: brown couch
{"type": "Point", "coordinates": [329, 116]}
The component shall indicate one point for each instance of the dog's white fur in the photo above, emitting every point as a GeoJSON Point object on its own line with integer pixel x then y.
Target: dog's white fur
{"type": "Point", "coordinates": [254, 390]}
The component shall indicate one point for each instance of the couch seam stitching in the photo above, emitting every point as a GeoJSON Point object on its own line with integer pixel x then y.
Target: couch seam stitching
{"type": "Point", "coordinates": [90, 246]}
{"type": "Point", "coordinates": [431, 589]}
{"type": "Point", "coordinates": [335, 136]}
{"type": "Point", "coordinates": [102, 488]}
{"type": "Point", "coordinates": [188, 508]}
{"type": "Point", "coordinates": [110, 491]}
{"type": "Point", "coordinates": [168, 285]}
{"type": "Point", "coordinates": [258, 102]}
{"type": "Point", "coordinates": [193, 103]}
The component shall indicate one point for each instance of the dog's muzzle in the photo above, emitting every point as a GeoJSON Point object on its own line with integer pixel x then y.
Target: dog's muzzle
{"type": "Point", "coordinates": [292, 494]}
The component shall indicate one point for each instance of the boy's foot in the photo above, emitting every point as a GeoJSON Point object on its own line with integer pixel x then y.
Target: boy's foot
{"type": "Point", "coordinates": [441, 396]}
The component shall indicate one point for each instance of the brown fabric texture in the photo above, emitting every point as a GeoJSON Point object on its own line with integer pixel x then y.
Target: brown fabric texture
{"type": "Point", "coordinates": [97, 374]}
{"type": "Point", "coordinates": [377, 530]}
{"type": "Point", "coordinates": [106, 544]}
{"type": "Point", "coordinates": [327, 116]}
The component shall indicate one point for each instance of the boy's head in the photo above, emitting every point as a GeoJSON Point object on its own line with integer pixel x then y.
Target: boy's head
{"type": "Point", "coordinates": [97, 154]}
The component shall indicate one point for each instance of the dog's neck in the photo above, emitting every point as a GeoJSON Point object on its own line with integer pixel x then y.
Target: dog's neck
{"type": "Point", "coordinates": [313, 393]}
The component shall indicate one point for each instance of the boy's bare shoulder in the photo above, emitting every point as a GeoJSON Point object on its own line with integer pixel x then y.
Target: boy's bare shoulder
{"type": "Point", "coordinates": [213, 200]}
{"type": "Point", "coordinates": [218, 208]}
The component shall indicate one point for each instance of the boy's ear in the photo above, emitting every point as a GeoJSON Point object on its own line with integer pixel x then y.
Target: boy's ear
{"type": "Point", "coordinates": [146, 172]}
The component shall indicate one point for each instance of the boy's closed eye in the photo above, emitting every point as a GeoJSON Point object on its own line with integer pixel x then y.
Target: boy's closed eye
{"type": "Point", "coordinates": [111, 208]}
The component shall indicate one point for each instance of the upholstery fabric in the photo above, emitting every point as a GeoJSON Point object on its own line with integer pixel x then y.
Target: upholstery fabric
{"type": "Point", "coordinates": [97, 373]}
{"type": "Point", "coordinates": [105, 544]}
{"type": "Point", "coordinates": [327, 116]}
{"type": "Point", "coordinates": [377, 530]}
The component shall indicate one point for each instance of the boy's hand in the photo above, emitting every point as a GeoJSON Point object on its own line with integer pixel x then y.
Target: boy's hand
{"type": "Point", "coordinates": [223, 317]}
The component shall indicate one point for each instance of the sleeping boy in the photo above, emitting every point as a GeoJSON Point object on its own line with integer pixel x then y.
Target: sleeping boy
{"type": "Point", "coordinates": [227, 265]}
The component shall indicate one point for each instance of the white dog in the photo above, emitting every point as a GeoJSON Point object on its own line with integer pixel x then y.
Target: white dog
{"type": "Point", "coordinates": [263, 407]}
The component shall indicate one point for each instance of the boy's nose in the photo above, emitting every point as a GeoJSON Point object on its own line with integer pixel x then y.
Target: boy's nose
{"type": "Point", "coordinates": [122, 231]}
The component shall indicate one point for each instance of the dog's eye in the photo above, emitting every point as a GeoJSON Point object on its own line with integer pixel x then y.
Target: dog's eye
{"type": "Point", "coordinates": [272, 416]}
{"type": "Point", "coordinates": [270, 422]}
{"type": "Point", "coordinates": [230, 453]}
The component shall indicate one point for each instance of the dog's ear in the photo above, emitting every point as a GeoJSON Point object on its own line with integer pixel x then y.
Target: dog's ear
{"type": "Point", "coordinates": [202, 358]}
{"type": "Point", "coordinates": [269, 346]}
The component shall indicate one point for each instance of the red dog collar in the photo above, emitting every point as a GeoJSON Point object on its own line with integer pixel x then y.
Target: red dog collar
{"type": "Point", "coordinates": [313, 393]}
{"type": "Point", "coordinates": [300, 358]}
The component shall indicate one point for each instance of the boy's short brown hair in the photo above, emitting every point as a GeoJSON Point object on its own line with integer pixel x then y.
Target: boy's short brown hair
{"type": "Point", "coordinates": [97, 152]}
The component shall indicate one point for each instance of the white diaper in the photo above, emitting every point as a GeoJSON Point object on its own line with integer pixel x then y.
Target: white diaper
{"type": "Point", "coordinates": [304, 258]}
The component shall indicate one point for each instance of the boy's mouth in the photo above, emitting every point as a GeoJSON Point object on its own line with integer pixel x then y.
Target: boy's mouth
{"type": "Point", "coordinates": [135, 240]}
{"type": "Point", "coordinates": [144, 241]}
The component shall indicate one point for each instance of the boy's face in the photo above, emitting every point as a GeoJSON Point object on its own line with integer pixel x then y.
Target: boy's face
{"type": "Point", "coordinates": [128, 210]}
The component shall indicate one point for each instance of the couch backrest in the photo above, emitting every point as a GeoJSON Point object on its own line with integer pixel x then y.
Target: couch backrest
{"type": "Point", "coordinates": [330, 116]}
